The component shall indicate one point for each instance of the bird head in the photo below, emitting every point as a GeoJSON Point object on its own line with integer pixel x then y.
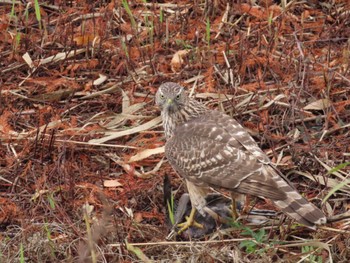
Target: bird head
{"type": "Point", "coordinates": [171, 97]}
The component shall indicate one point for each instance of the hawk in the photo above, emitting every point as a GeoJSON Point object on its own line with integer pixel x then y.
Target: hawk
{"type": "Point", "coordinates": [210, 149]}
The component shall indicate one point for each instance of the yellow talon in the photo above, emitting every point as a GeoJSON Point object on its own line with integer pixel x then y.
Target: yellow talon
{"type": "Point", "coordinates": [189, 222]}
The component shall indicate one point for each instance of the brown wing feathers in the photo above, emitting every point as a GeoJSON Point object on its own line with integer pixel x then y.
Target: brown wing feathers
{"type": "Point", "coordinates": [209, 148]}
{"type": "Point", "coordinates": [205, 153]}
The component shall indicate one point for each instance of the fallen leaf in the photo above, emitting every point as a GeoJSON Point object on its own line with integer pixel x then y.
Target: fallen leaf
{"type": "Point", "coordinates": [28, 60]}
{"type": "Point", "coordinates": [102, 78]}
{"type": "Point", "coordinates": [113, 135]}
{"type": "Point", "coordinates": [130, 169]}
{"type": "Point", "coordinates": [61, 56]}
{"type": "Point", "coordinates": [138, 217]}
{"type": "Point", "coordinates": [146, 153]}
{"type": "Point", "coordinates": [86, 39]}
{"type": "Point", "coordinates": [321, 104]}
{"type": "Point", "coordinates": [177, 60]}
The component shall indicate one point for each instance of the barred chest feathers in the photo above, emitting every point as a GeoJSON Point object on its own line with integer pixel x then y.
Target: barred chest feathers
{"type": "Point", "coordinates": [172, 119]}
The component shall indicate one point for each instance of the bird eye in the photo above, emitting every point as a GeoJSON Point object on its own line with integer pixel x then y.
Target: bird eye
{"type": "Point", "coordinates": [178, 97]}
{"type": "Point", "coordinates": [162, 96]}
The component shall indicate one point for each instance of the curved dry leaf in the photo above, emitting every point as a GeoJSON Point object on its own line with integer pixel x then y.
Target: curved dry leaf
{"type": "Point", "coordinates": [28, 60]}
{"type": "Point", "coordinates": [129, 169]}
{"type": "Point", "coordinates": [321, 104]}
{"type": "Point", "coordinates": [145, 154]}
{"type": "Point", "coordinates": [102, 78]}
{"type": "Point", "coordinates": [142, 127]}
{"type": "Point", "coordinates": [177, 60]}
{"type": "Point", "coordinates": [61, 56]}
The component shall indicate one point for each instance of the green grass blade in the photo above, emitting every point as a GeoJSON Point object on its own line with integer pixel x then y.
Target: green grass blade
{"type": "Point", "coordinates": [21, 253]}
{"type": "Point", "coordinates": [138, 252]}
{"type": "Point", "coordinates": [37, 12]}
{"type": "Point", "coordinates": [338, 186]}
{"type": "Point", "coordinates": [125, 48]}
{"type": "Point", "coordinates": [171, 210]}
{"type": "Point", "coordinates": [207, 27]}
{"type": "Point", "coordinates": [161, 16]}
{"type": "Point", "coordinates": [335, 189]}
{"type": "Point", "coordinates": [12, 14]}
{"type": "Point", "coordinates": [338, 167]}
{"type": "Point", "coordinates": [128, 10]}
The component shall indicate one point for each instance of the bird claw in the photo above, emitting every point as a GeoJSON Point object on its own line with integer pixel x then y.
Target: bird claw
{"type": "Point", "coordinates": [188, 223]}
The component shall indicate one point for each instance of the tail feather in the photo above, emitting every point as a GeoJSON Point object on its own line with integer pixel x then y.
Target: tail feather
{"type": "Point", "coordinates": [297, 206]}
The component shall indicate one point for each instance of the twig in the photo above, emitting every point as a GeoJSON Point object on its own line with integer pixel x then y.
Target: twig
{"type": "Point", "coordinates": [179, 243]}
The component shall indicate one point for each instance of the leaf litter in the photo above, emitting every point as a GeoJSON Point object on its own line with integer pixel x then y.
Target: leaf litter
{"type": "Point", "coordinates": [79, 128]}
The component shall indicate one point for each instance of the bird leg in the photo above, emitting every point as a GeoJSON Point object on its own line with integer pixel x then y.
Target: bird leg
{"type": "Point", "coordinates": [189, 222]}
{"type": "Point", "coordinates": [197, 196]}
{"type": "Point", "coordinates": [235, 214]}
{"type": "Point", "coordinates": [246, 205]}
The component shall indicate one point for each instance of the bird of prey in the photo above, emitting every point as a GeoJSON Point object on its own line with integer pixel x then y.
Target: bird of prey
{"type": "Point", "coordinates": [210, 149]}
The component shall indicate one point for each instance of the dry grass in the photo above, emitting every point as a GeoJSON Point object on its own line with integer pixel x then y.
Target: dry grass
{"type": "Point", "coordinates": [81, 167]}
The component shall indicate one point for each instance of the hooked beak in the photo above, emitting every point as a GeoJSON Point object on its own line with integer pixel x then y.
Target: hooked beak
{"type": "Point", "coordinates": [170, 105]}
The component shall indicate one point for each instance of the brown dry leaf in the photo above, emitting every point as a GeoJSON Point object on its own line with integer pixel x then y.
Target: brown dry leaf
{"type": "Point", "coordinates": [54, 96]}
{"type": "Point", "coordinates": [138, 217]}
{"type": "Point", "coordinates": [260, 12]}
{"type": "Point", "coordinates": [130, 169]}
{"type": "Point", "coordinates": [321, 104]}
{"type": "Point", "coordinates": [5, 126]}
{"type": "Point", "coordinates": [252, 87]}
{"type": "Point", "coordinates": [126, 28]}
{"type": "Point", "coordinates": [286, 160]}
{"type": "Point", "coordinates": [52, 84]}
{"type": "Point", "coordinates": [112, 183]}
{"type": "Point", "coordinates": [210, 80]}
{"type": "Point", "coordinates": [90, 64]}
{"type": "Point", "coordinates": [178, 60]}
{"type": "Point", "coordinates": [255, 11]}
{"type": "Point", "coordinates": [134, 52]}
{"type": "Point", "coordinates": [264, 116]}
{"type": "Point", "coordinates": [9, 210]}
{"type": "Point", "coordinates": [84, 40]}
{"type": "Point", "coordinates": [3, 26]}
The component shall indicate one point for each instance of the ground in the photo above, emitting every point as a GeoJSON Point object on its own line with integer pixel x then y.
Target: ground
{"type": "Point", "coordinates": [82, 163]}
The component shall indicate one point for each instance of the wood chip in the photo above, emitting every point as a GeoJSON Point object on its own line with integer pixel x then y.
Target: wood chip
{"type": "Point", "coordinates": [112, 183]}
